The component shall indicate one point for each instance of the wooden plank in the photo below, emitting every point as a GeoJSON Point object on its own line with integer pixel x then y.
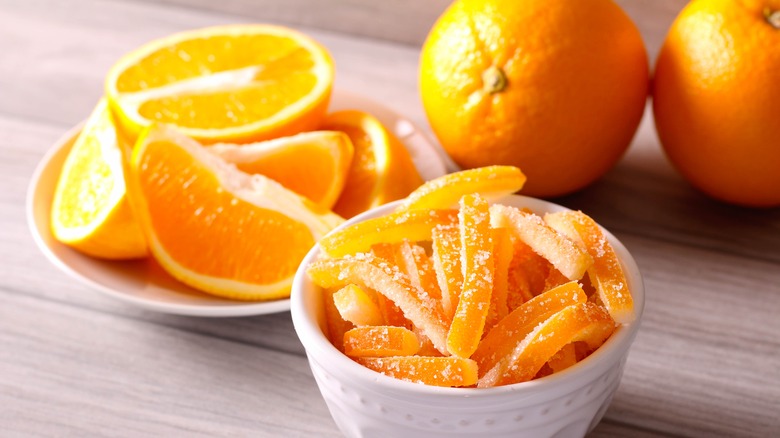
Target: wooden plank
{"type": "Point", "coordinates": [76, 372]}
{"type": "Point", "coordinates": [400, 21]}
{"type": "Point", "coordinates": [708, 345]}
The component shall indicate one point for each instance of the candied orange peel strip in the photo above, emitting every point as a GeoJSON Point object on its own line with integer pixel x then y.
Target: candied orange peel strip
{"type": "Point", "coordinates": [605, 274]}
{"type": "Point", "coordinates": [415, 263]}
{"type": "Point", "coordinates": [336, 325]}
{"type": "Point", "coordinates": [510, 331]}
{"type": "Point", "coordinates": [445, 192]}
{"type": "Point", "coordinates": [581, 322]}
{"type": "Point", "coordinates": [502, 255]}
{"type": "Point", "coordinates": [380, 341]}
{"type": "Point", "coordinates": [476, 260]}
{"type": "Point", "coordinates": [356, 306]}
{"type": "Point", "coordinates": [446, 263]}
{"type": "Point", "coordinates": [564, 358]}
{"type": "Point", "coordinates": [393, 228]}
{"type": "Point", "coordinates": [531, 229]}
{"type": "Point", "coordinates": [436, 371]}
{"type": "Point", "coordinates": [377, 274]}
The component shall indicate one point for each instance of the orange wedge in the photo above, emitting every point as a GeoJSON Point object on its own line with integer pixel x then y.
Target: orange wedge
{"type": "Point", "coordinates": [380, 341]}
{"type": "Point", "coordinates": [606, 273]}
{"type": "Point", "coordinates": [476, 260]}
{"type": "Point", "coordinates": [90, 210]}
{"type": "Point", "coordinates": [228, 83]}
{"type": "Point", "coordinates": [312, 164]}
{"type": "Point", "coordinates": [584, 322]}
{"type": "Point", "coordinates": [436, 371]}
{"type": "Point", "coordinates": [216, 228]}
{"type": "Point", "coordinates": [445, 191]}
{"type": "Point", "coordinates": [382, 170]}
{"type": "Point", "coordinates": [393, 228]}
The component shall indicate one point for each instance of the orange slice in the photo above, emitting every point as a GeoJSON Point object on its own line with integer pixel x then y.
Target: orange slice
{"type": "Point", "coordinates": [380, 341]}
{"type": "Point", "coordinates": [374, 273]}
{"type": "Point", "coordinates": [90, 210]}
{"type": "Point", "coordinates": [393, 228]}
{"type": "Point", "coordinates": [585, 322]}
{"type": "Point", "coordinates": [216, 228]}
{"type": "Point", "coordinates": [531, 229]}
{"type": "Point", "coordinates": [382, 170]}
{"type": "Point", "coordinates": [445, 191]}
{"type": "Point", "coordinates": [227, 83]}
{"type": "Point", "coordinates": [446, 263]}
{"type": "Point", "coordinates": [436, 371]}
{"type": "Point", "coordinates": [356, 306]}
{"type": "Point", "coordinates": [606, 273]}
{"type": "Point", "coordinates": [500, 342]}
{"type": "Point", "coordinates": [312, 164]}
{"type": "Point", "coordinates": [476, 260]}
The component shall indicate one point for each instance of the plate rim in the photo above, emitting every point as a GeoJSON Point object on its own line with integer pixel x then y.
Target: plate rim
{"type": "Point", "coordinates": [240, 308]}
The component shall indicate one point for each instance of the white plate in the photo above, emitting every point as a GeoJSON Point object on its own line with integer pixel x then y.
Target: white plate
{"type": "Point", "coordinates": [143, 282]}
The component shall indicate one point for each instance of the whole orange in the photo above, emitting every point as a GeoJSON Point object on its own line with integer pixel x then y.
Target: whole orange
{"type": "Point", "coordinates": [716, 99]}
{"type": "Point", "coordinates": [555, 87]}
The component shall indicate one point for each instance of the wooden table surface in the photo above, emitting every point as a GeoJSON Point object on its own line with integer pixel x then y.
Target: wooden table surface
{"type": "Point", "coordinates": [74, 362]}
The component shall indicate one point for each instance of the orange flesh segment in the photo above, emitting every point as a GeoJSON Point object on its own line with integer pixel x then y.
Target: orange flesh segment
{"type": "Point", "coordinates": [208, 110]}
{"type": "Point", "coordinates": [477, 265]}
{"type": "Point", "coordinates": [312, 164]}
{"type": "Point", "coordinates": [531, 229]}
{"type": "Point", "coordinates": [511, 330]}
{"type": "Point", "coordinates": [362, 174]}
{"type": "Point", "coordinates": [446, 264]}
{"type": "Point", "coordinates": [580, 322]}
{"type": "Point", "coordinates": [168, 174]}
{"type": "Point", "coordinates": [380, 341]}
{"type": "Point", "coordinates": [502, 257]}
{"type": "Point", "coordinates": [356, 306]}
{"type": "Point", "coordinates": [204, 56]}
{"type": "Point", "coordinates": [374, 273]}
{"type": "Point", "coordinates": [605, 274]}
{"type": "Point", "coordinates": [436, 371]}
{"type": "Point", "coordinates": [445, 192]}
{"type": "Point", "coordinates": [394, 228]}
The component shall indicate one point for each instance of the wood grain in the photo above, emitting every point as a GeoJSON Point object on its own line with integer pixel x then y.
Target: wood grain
{"type": "Point", "coordinates": [76, 363]}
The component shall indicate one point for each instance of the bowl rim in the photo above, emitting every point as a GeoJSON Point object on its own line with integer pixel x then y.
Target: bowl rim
{"type": "Point", "coordinates": [320, 350]}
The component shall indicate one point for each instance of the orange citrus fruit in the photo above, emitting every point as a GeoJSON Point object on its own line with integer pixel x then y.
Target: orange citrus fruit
{"type": "Point", "coordinates": [382, 169]}
{"type": "Point", "coordinates": [227, 83]}
{"type": "Point", "coordinates": [313, 164]}
{"type": "Point", "coordinates": [716, 99]}
{"type": "Point", "coordinates": [216, 228]}
{"type": "Point", "coordinates": [90, 210]}
{"type": "Point", "coordinates": [555, 87]}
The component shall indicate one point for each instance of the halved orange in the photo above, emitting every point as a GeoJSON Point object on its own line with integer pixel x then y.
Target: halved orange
{"type": "Point", "coordinates": [226, 83]}
{"type": "Point", "coordinates": [90, 211]}
{"type": "Point", "coordinates": [216, 228]}
{"type": "Point", "coordinates": [382, 169]}
{"type": "Point", "coordinates": [312, 164]}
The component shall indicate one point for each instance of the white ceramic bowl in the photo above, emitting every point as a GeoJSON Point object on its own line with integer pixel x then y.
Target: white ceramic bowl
{"type": "Point", "coordinates": [365, 403]}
